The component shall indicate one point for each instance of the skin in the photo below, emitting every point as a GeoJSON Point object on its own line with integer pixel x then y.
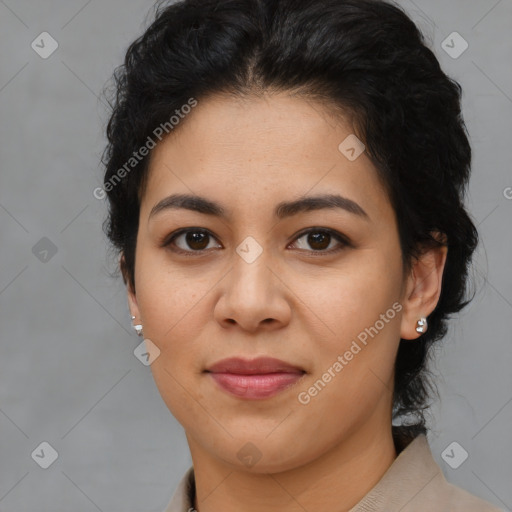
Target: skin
{"type": "Point", "coordinates": [295, 303]}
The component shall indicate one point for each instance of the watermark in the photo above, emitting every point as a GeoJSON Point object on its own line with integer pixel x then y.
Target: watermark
{"type": "Point", "coordinates": [146, 352]}
{"type": "Point", "coordinates": [44, 250]}
{"type": "Point", "coordinates": [351, 147]}
{"type": "Point", "coordinates": [143, 151]}
{"type": "Point", "coordinates": [454, 45]}
{"type": "Point", "coordinates": [249, 250]}
{"type": "Point", "coordinates": [507, 192]}
{"type": "Point", "coordinates": [454, 455]}
{"type": "Point", "coordinates": [249, 454]}
{"type": "Point", "coordinates": [304, 397]}
{"type": "Point", "coordinates": [44, 45]}
{"type": "Point", "coordinates": [45, 455]}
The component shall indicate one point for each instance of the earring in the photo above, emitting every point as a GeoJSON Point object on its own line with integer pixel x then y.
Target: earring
{"type": "Point", "coordinates": [421, 325]}
{"type": "Point", "coordinates": [138, 328]}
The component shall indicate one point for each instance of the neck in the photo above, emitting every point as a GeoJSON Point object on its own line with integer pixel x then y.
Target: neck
{"type": "Point", "coordinates": [337, 480]}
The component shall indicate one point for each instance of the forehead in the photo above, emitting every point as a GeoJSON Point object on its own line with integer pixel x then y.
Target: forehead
{"type": "Point", "coordinates": [249, 150]}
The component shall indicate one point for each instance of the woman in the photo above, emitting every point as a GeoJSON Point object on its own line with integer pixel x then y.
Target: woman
{"type": "Point", "coordinates": [286, 181]}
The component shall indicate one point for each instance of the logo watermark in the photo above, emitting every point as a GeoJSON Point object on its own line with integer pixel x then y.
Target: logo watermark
{"type": "Point", "coordinates": [137, 156]}
{"type": "Point", "coordinates": [304, 397]}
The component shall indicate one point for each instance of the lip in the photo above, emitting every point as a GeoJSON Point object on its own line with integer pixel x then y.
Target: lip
{"type": "Point", "coordinates": [254, 379]}
{"type": "Point", "coordinates": [258, 366]}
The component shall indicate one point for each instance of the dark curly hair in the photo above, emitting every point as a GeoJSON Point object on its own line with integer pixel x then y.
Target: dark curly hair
{"type": "Point", "coordinates": [364, 58]}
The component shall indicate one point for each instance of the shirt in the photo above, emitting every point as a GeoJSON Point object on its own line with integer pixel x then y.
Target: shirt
{"type": "Point", "coordinates": [413, 483]}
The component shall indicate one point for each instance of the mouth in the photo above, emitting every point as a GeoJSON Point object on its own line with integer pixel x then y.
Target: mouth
{"type": "Point", "coordinates": [258, 366]}
{"type": "Point", "coordinates": [254, 379]}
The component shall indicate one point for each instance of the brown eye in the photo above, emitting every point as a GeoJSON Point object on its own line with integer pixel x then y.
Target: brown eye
{"type": "Point", "coordinates": [196, 240]}
{"type": "Point", "coordinates": [189, 241]}
{"type": "Point", "coordinates": [319, 240]}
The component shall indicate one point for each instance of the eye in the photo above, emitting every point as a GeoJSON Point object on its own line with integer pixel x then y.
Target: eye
{"type": "Point", "coordinates": [320, 239]}
{"type": "Point", "coordinates": [197, 239]}
{"type": "Point", "coordinates": [194, 238]}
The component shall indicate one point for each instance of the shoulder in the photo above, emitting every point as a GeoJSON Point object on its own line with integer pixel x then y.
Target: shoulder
{"type": "Point", "coordinates": [457, 499]}
{"type": "Point", "coordinates": [438, 491]}
{"type": "Point", "coordinates": [416, 483]}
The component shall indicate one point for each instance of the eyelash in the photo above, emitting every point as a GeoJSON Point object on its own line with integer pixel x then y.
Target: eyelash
{"type": "Point", "coordinates": [344, 241]}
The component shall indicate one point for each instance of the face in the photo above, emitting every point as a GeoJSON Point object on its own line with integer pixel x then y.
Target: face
{"type": "Point", "coordinates": [320, 288]}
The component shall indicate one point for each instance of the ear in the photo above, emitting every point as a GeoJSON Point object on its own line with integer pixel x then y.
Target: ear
{"type": "Point", "coordinates": [132, 299]}
{"type": "Point", "coordinates": [423, 287]}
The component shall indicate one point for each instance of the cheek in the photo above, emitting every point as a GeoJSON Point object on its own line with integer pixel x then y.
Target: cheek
{"type": "Point", "coordinates": [170, 299]}
{"type": "Point", "coordinates": [175, 310]}
{"type": "Point", "coordinates": [174, 319]}
{"type": "Point", "coordinates": [360, 322]}
{"type": "Point", "coordinates": [354, 362]}
{"type": "Point", "coordinates": [348, 301]}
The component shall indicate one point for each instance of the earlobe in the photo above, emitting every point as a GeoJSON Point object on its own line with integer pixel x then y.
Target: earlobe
{"type": "Point", "coordinates": [423, 291]}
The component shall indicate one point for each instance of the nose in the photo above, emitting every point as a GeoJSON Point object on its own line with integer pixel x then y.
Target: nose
{"type": "Point", "coordinates": [253, 296]}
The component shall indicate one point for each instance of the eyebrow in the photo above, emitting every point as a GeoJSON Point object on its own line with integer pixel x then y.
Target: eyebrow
{"type": "Point", "coordinates": [282, 210]}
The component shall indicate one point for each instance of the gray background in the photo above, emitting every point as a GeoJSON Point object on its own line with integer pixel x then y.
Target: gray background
{"type": "Point", "coordinates": [67, 369]}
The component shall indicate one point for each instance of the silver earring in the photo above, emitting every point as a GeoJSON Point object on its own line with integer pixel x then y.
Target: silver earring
{"type": "Point", "coordinates": [421, 325]}
{"type": "Point", "coordinates": [138, 328]}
